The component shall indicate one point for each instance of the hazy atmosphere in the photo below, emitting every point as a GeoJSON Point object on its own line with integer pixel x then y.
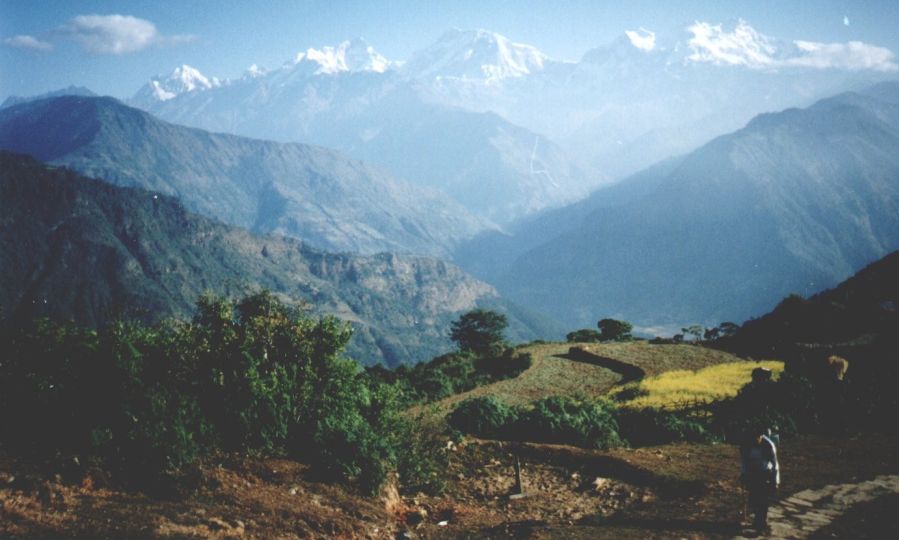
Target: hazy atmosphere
{"type": "Point", "coordinates": [523, 269]}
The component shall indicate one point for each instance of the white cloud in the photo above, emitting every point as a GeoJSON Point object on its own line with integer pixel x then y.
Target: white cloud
{"type": "Point", "coordinates": [854, 55]}
{"type": "Point", "coordinates": [745, 46]}
{"type": "Point", "coordinates": [642, 39]}
{"type": "Point", "coordinates": [30, 43]}
{"type": "Point", "coordinates": [845, 20]}
{"type": "Point", "coordinates": [116, 34]}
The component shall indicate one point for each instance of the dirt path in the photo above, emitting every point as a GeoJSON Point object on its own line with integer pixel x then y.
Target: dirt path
{"type": "Point", "coordinates": [803, 513]}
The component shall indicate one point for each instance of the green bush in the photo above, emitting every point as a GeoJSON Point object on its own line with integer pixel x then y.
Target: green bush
{"type": "Point", "coordinates": [483, 417]}
{"type": "Point", "coordinates": [564, 420]}
{"type": "Point", "coordinates": [148, 401]}
{"type": "Point", "coordinates": [650, 426]}
{"type": "Point", "coordinates": [506, 366]}
{"type": "Point", "coordinates": [450, 374]}
{"type": "Point", "coordinates": [584, 335]}
{"type": "Point", "coordinates": [422, 458]}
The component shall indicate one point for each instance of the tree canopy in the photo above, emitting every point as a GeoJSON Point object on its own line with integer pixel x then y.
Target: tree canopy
{"type": "Point", "coordinates": [615, 330]}
{"type": "Point", "coordinates": [480, 331]}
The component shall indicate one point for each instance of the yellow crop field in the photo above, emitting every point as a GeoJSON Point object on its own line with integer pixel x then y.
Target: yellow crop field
{"type": "Point", "coordinates": [682, 387]}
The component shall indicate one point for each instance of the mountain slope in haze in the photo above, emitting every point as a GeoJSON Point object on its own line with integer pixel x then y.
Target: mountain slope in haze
{"type": "Point", "coordinates": [858, 312]}
{"type": "Point", "coordinates": [794, 202]}
{"type": "Point", "coordinates": [71, 90]}
{"type": "Point", "coordinates": [73, 247]}
{"type": "Point", "coordinates": [857, 320]}
{"type": "Point", "coordinates": [311, 193]}
{"type": "Point", "coordinates": [490, 254]}
{"type": "Point", "coordinates": [497, 170]}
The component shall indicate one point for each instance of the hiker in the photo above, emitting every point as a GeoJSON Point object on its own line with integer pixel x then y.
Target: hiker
{"type": "Point", "coordinates": [759, 473]}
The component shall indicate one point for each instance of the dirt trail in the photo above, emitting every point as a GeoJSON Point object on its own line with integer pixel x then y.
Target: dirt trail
{"type": "Point", "coordinates": [801, 514]}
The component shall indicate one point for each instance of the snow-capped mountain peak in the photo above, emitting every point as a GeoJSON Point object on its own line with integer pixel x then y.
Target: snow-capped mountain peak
{"type": "Point", "coordinates": [743, 46]}
{"type": "Point", "coordinates": [643, 39]}
{"type": "Point", "coordinates": [476, 54]}
{"type": "Point", "coordinates": [190, 79]}
{"type": "Point", "coordinates": [255, 71]}
{"type": "Point", "coordinates": [182, 80]}
{"type": "Point", "coordinates": [350, 56]}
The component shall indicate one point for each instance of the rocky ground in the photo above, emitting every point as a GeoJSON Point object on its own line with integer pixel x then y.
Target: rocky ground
{"type": "Point", "coordinates": [671, 491]}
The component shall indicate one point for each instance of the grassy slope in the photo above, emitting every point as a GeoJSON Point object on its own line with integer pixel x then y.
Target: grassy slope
{"type": "Point", "coordinates": [554, 373]}
{"type": "Point", "coordinates": [658, 359]}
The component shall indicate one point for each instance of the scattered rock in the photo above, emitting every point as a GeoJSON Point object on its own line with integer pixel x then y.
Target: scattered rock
{"type": "Point", "coordinates": [600, 483]}
{"type": "Point", "coordinates": [216, 524]}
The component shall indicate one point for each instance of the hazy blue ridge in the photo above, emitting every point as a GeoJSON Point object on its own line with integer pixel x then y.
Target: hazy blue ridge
{"type": "Point", "coordinates": [317, 195]}
{"type": "Point", "coordinates": [794, 202]}
{"type": "Point", "coordinates": [74, 248]}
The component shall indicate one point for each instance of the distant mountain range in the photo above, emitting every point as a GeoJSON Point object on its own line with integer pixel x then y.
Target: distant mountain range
{"type": "Point", "coordinates": [321, 196]}
{"type": "Point", "coordinates": [348, 98]}
{"type": "Point", "coordinates": [623, 106]}
{"type": "Point", "coordinates": [81, 249]}
{"type": "Point", "coordinates": [793, 203]}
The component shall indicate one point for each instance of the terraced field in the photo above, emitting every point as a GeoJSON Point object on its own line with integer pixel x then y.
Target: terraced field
{"type": "Point", "coordinates": [679, 388]}
{"type": "Point", "coordinates": [555, 372]}
{"type": "Point", "coordinates": [550, 374]}
{"type": "Point", "coordinates": [657, 359]}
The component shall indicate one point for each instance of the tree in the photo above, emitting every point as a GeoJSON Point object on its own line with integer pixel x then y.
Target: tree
{"type": "Point", "coordinates": [615, 330]}
{"type": "Point", "coordinates": [480, 331]}
{"type": "Point", "coordinates": [728, 329]}
{"type": "Point", "coordinates": [584, 335]}
{"type": "Point", "coordinates": [694, 330]}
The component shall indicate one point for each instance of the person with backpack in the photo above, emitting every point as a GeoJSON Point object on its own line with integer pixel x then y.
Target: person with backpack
{"type": "Point", "coordinates": [759, 474]}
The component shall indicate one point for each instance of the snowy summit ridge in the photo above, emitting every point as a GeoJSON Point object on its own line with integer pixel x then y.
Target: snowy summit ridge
{"type": "Point", "coordinates": [476, 55]}
{"type": "Point", "coordinates": [182, 80]}
{"type": "Point", "coordinates": [350, 56]}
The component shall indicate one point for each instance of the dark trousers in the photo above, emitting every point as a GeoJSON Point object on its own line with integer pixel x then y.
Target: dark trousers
{"type": "Point", "coordinates": [760, 492]}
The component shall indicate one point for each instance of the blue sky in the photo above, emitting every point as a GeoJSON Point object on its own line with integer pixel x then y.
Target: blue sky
{"type": "Point", "coordinates": [46, 45]}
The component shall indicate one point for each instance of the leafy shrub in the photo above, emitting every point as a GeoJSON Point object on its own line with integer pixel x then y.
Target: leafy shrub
{"type": "Point", "coordinates": [507, 366]}
{"type": "Point", "coordinates": [450, 374]}
{"type": "Point", "coordinates": [148, 401]}
{"type": "Point", "coordinates": [482, 416]}
{"type": "Point", "coordinates": [584, 335]}
{"type": "Point", "coordinates": [422, 458]}
{"type": "Point", "coordinates": [563, 420]}
{"type": "Point", "coordinates": [643, 427]}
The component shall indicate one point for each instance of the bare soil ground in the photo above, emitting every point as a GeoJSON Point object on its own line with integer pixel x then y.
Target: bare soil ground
{"type": "Point", "coordinates": [671, 491]}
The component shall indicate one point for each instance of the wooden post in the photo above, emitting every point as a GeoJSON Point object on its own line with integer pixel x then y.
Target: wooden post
{"type": "Point", "coordinates": [519, 489]}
